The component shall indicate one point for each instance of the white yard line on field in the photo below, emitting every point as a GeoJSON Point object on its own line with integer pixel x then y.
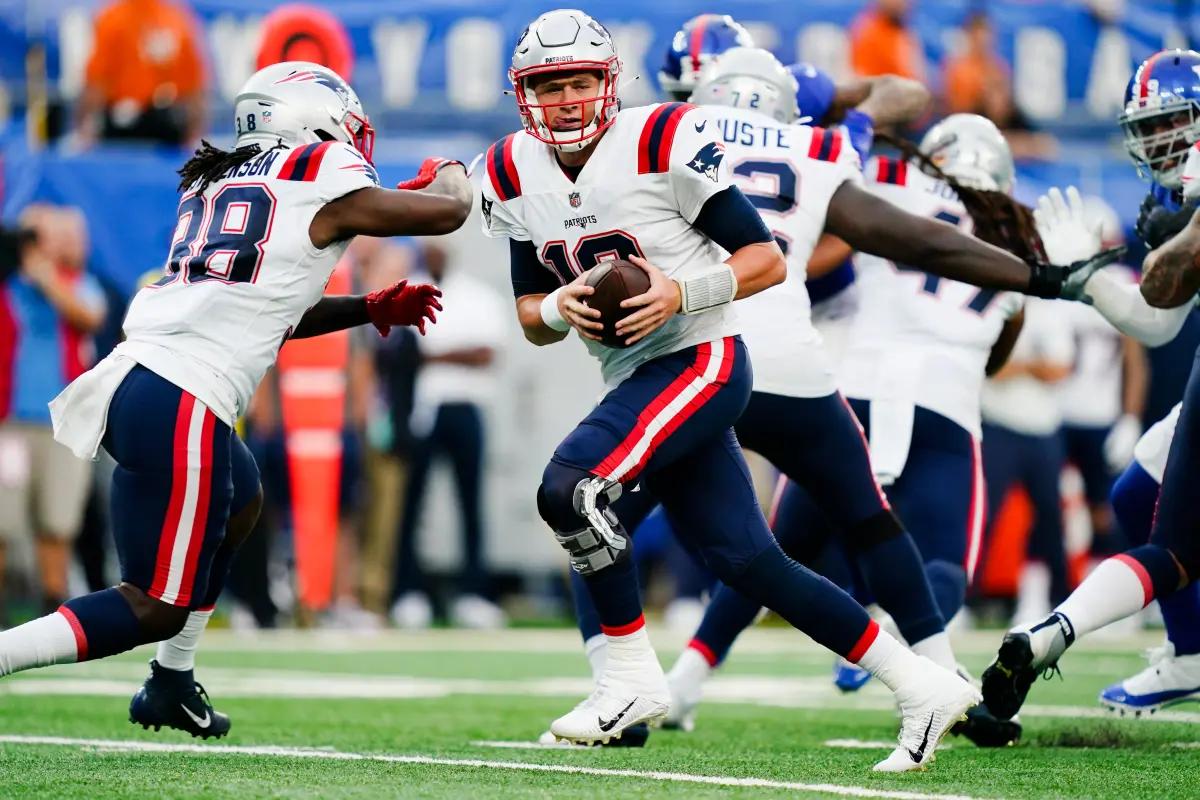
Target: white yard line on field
{"type": "Point", "coordinates": [116, 745]}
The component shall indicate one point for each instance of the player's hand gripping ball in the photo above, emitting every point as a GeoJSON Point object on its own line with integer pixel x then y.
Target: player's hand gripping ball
{"type": "Point", "coordinates": [401, 304]}
{"type": "Point", "coordinates": [613, 282]}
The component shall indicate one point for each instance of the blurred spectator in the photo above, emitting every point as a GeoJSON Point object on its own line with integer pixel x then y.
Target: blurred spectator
{"type": "Point", "coordinates": [881, 43]}
{"type": "Point", "coordinates": [145, 78]}
{"type": "Point", "coordinates": [454, 383]}
{"type": "Point", "coordinates": [977, 80]}
{"type": "Point", "coordinates": [51, 305]}
{"type": "Point", "coordinates": [1022, 445]}
{"type": "Point", "coordinates": [389, 438]}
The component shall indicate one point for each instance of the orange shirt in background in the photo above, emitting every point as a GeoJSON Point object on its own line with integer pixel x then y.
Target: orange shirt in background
{"type": "Point", "coordinates": [967, 81]}
{"type": "Point", "coordinates": [878, 46]}
{"type": "Point", "coordinates": [146, 51]}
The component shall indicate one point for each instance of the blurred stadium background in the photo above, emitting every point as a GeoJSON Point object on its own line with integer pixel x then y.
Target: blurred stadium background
{"type": "Point", "coordinates": [348, 423]}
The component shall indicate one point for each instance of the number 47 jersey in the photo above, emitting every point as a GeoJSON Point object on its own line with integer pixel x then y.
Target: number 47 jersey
{"type": "Point", "coordinates": [241, 272]}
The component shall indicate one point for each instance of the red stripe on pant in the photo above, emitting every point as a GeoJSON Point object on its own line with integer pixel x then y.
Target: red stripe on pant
{"type": "Point", "coordinates": [975, 514]}
{"type": "Point", "coordinates": [200, 521]}
{"type": "Point", "coordinates": [862, 437]}
{"type": "Point", "coordinates": [179, 465]}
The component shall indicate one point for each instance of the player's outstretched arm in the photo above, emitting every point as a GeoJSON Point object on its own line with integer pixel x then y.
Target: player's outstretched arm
{"type": "Point", "coordinates": [1171, 274]}
{"type": "Point", "coordinates": [398, 304]}
{"type": "Point", "coordinates": [873, 225]}
{"type": "Point", "coordinates": [442, 206]}
{"type": "Point", "coordinates": [889, 99]}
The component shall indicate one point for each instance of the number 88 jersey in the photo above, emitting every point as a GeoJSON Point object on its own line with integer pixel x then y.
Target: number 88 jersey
{"type": "Point", "coordinates": [241, 272]}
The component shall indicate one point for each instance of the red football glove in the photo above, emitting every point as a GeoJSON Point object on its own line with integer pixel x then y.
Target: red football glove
{"type": "Point", "coordinates": [427, 172]}
{"type": "Point", "coordinates": [401, 304]}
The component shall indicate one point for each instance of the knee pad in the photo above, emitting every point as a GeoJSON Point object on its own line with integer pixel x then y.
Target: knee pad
{"type": "Point", "coordinates": [576, 506]}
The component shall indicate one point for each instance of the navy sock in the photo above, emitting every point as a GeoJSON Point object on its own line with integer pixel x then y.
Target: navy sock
{"type": "Point", "coordinates": [1181, 614]}
{"type": "Point", "coordinates": [108, 624]}
{"type": "Point", "coordinates": [892, 568]}
{"type": "Point", "coordinates": [586, 616]}
{"type": "Point", "coordinates": [616, 596]}
{"type": "Point", "coordinates": [726, 617]}
{"type": "Point", "coordinates": [949, 584]}
{"type": "Point", "coordinates": [809, 602]}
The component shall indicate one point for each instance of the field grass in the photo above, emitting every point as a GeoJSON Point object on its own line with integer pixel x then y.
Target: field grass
{"type": "Point", "coordinates": [336, 716]}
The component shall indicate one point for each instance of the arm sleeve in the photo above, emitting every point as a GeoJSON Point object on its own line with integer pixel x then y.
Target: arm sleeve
{"type": "Point", "coordinates": [529, 275]}
{"type": "Point", "coordinates": [731, 221]}
{"type": "Point", "coordinates": [697, 165]}
{"type": "Point", "coordinates": [1121, 303]}
{"type": "Point", "coordinates": [501, 218]}
{"type": "Point", "coordinates": [859, 129]}
{"type": "Point", "coordinates": [344, 170]}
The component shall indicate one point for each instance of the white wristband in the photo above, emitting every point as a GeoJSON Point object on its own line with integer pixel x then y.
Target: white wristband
{"type": "Point", "coordinates": [706, 288]}
{"type": "Point", "coordinates": [549, 308]}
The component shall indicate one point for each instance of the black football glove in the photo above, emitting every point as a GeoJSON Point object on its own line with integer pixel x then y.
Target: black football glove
{"type": "Point", "coordinates": [1157, 224]}
{"type": "Point", "coordinates": [1066, 281]}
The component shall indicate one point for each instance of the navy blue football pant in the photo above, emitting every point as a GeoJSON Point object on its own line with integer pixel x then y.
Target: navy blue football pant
{"type": "Point", "coordinates": [1134, 497]}
{"type": "Point", "coordinates": [1085, 449]}
{"type": "Point", "coordinates": [1034, 462]}
{"type": "Point", "coordinates": [831, 500]}
{"type": "Point", "coordinates": [669, 426]}
{"type": "Point", "coordinates": [180, 474]}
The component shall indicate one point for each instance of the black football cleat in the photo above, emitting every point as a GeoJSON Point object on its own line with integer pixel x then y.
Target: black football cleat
{"type": "Point", "coordinates": [1026, 652]}
{"type": "Point", "coordinates": [170, 698]}
{"type": "Point", "coordinates": [983, 729]}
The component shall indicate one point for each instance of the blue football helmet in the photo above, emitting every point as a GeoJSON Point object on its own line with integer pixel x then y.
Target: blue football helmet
{"type": "Point", "coordinates": [1162, 114]}
{"type": "Point", "coordinates": [814, 93]}
{"type": "Point", "coordinates": [701, 39]}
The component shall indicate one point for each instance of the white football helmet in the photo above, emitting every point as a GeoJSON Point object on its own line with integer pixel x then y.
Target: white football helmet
{"type": "Point", "coordinates": [749, 77]}
{"type": "Point", "coordinates": [299, 102]}
{"type": "Point", "coordinates": [565, 40]}
{"type": "Point", "coordinates": [971, 149]}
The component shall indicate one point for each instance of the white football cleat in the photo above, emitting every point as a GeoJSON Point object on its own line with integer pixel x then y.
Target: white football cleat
{"type": "Point", "coordinates": [931, 702]}
{"type": "Point", "coordinates": [623, 697]}
{"type": "Point", "coordinates": [1168, 680]}
{"type": "Point", "coordinates": [412, 611]}
{"type": "Point", "coordinates": [477, 613]}
{"type": "Point", "coordinates": [686, 683]}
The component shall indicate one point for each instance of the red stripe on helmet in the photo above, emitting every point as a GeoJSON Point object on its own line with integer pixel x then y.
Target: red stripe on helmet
{"type": "Point", "coordinates": [697, 41]}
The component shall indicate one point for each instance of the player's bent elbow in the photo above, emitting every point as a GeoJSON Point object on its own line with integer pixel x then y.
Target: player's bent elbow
{"type": "Point", "coordinates": [776, 271]}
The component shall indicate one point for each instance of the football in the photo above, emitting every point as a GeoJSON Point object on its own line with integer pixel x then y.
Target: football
{"type": "Point", "coordinates": [614, 281]}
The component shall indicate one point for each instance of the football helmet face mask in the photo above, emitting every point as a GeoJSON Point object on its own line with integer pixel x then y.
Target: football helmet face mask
{"type": "Point", "coordinates": [299, 102]}
{"type": "Point", "coordinates": [971, 149]}
{"type": "Point", "coordinates": [560, 43]}
{"type": "Point", "coordinates": [701, 39]}
{"type": "Point", "coordinates": [752, 78]}
{"type": "Point", "coordinates": [1162, 115]}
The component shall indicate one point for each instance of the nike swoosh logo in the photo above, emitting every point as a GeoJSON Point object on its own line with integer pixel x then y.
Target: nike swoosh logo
{"type": "Point", "coordinates": [700, 127]}
{"type": "Point", "coordinates": [612, 723]}
{"type": "Point", "coordinates": [203, 722]}
{"type": "Point", "coordinates": [919, 753]}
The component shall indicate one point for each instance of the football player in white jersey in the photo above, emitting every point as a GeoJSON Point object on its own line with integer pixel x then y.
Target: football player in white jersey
{"type": "Point", "coordinates": [259, 230]}
{"type": "Point", "coordinates": [586, 181]}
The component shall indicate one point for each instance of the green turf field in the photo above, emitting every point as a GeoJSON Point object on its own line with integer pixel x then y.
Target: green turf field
{"type": "Point", "coordinates": [333, 716]}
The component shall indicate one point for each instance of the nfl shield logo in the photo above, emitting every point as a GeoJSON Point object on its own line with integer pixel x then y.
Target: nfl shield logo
{"type": "Point", "coordinates": [266, 115]}
{"type": "Point", "coordinates": [574, 199]}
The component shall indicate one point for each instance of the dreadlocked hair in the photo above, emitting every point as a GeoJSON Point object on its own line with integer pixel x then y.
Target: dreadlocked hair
{"type": "Point", "coordinates": [998, 219]}
{"type": "Point", "coordinates": [209, 163]}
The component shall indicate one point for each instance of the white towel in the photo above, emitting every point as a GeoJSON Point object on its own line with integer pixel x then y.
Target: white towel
{"type": "Point", "coordinates": [80, 412]}
{"type": "Point", "coordinates": [892, 410]}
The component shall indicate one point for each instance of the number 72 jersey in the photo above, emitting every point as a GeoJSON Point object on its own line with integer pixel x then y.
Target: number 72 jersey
{"type": "Point", "coordinates": [241, 272]}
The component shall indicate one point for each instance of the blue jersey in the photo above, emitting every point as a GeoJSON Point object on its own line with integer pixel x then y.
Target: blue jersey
{"type": "Point", "coordinates": [1169, 199]}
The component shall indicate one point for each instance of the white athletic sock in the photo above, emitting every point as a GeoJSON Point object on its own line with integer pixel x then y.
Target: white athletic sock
{"type": "Point", "coordinates": [40, 643]}
{"type": "Point", "coordinates": [937, 649]}
{"type": "Point", "coordinates": [596, 649]}
{"type": "Point", "coordinates": [179, 652]}
{"type": "Point", "coordinates": [889, 661]}
{"type": "Point", "coordinates": [631, 648]}
{"type": "Point", "coordinates": [691, 666]}
{"type": "Point", "coordinates": [1112, 591]}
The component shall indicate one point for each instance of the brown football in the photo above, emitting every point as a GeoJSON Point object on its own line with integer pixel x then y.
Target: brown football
{"type": "Point", "coordinates": [614, 281]}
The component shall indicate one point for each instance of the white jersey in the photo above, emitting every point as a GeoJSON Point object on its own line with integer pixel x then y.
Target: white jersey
{"type": "Point", "coordinates": [1023, 403]}
{"type": "Point", "coordinates": [241, 272]}
{"type": "Point", "coordinates": [1091, 396]}
{"type": "Point", "coordinates": [638, 194]}
{"type": "Point", "coordinates": [789, 173]}
{"type": "Point", "coordinates": [919, 339]}
{"type": "Point", "coordinates": [1152, 449]}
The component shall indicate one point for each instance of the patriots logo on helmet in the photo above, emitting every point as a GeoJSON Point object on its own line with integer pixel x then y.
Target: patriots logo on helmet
{"type": "Point", "coordinates": [708, 161]}
{"type": "Point", "coordinates": [326, 79]}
